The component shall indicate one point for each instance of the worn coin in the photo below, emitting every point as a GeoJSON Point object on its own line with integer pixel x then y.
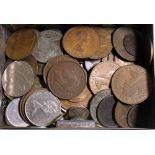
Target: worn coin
{"type": "Point", "coordinates": [18, 78]}
{"type": "Point", "coordinates": [48, 45]}
{"type": "Point", "coordinates": [121, 112]}
{"type": "Point", "coordinates": [53, 61]}
{"type": "Point", "coordinates": [81, 42]}
{"type": "Point", "coordinates": [105, 112]}
{"type": "Point", "coordinates": [100, 76]}
{"type": "Point", "coordinates": [95, 102]}
{"type": "Point", "coordinates": [12, 114]}
{"type": "Point", "coordinates": [89, 64]}
{"type": "Point", "coordinates": [21, 44]}
{"type": "Point", "coordinates": [67, 79]}
{"type": "Point", "coordinates": [131, 84]}
{"type": "Point", "coordinates": [105, 43]}
{"type": "Point", "coordinates": [41, 108]}
{"type": "Point", "coordinates": [121, 62]}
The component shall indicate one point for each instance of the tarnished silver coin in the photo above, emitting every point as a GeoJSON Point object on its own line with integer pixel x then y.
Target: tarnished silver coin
{"type": "Point", "coordinates": [76, 124]}
{"type": "Point", "coordinates": [12, 114]}
{"type": "Point", "coordinates": [48, 45]}
{"type": "Point", "coordinates": [89, 64]}
{"type": "Point", "coordinates": [42, 108]}
{"type": "Point", "coordinates": [40, 68]}
{"type": "Point", "coordinates": [95, 102]}
{"type": "Point", "coordinates": [18, 78]}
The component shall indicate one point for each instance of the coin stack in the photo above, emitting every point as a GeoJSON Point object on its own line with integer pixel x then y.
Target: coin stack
{"type": "Point", "coordinates": [98, 75]}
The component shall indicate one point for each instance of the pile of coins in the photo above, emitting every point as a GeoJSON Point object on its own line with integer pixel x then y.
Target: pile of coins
{"type": "Point", "coordinates": [88, 77]}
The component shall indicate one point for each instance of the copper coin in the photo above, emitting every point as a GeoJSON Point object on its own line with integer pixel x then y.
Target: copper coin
{"type": "Point", "coordinates": [95, 102]}
{"type": "Point", "coordinates": [105, 112]}
{"type": "Point", "coordinates": [13, 116]}
{"type": "Point", "coordinates": [89, 64]}
{"type": "Point", "coordinates": [131, 84]}
{"type": "Point", "coordinates": [41, 67]}
{"type": "Point", "coordinates": [118, 42]}
{"type": "Point", "coordinates": [53, 61]}
{"type": "Point", "coordinates": [109, 57]}
{"type": "Point", "coordinates": [105, 43]}
{"type": "Point", "coordinates": [100, 76]}
{"type": "Point", "coordinates": [48, 45]}
{"type": "Point", "coordinates": [18, 78]}
{"type": "Point", "coordinates": [121, 112]}
{"type": "Point", "coordinates": [81, 42]}
{"type": "Point", "coordinates": [121, 62]}
{"type": "Point", "coordinates": [67, 79]}
{"type": "Point", "coordinates": [41, 108]}
{"type": "Point", "coordinates": [21, 44]}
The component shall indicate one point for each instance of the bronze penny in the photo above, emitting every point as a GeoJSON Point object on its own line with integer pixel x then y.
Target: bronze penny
{"type": "Point", "coordinates": [66, 80]}
{"type": "Point", "coordinates": [81, 42]}
{"type": "Point", "coordinates": [100, 76]}
{"type": "Point", "coordinates": [21, 43]}
{"type": "Point", "coordinates": [131, 84]}
{"type": "Point", "coordinates": [53, 61]}
{"type": "Point", "coordinates": [105, 43]}
{"type": "Point", "coordinates": [121, 112]}
{"type": "Point", "coordinates": [18, 78]}
{"type": "Point", "coordinates": [118, 42]}
{"type": "Point", "coordinates": [121, 62]}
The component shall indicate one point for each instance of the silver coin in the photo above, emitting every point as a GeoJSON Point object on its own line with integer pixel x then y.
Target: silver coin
{"type": "Point", "coordinates": [40, 68]}
{"type": "Point", "coordinates": [76, 124]}
{"type": "Point", "coordinates": [12, 114]}
{"type": "Point", "coordinates": [48, 45]}
{"type": "Point", "coordinates": [95, 102]}
{"type": "Point", "coordinates": [17, 78]}
{"type": "Point", "coordinates": [89, 64]}
{"type": "Point", "coordinates": [42, 108]}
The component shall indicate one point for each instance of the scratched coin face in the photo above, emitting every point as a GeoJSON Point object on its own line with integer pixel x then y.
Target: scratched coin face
{"type": "Point", "coordinates": [18, 78]}
{"type": "Point", "coordinates": [41, 108]}
{"type": "Point", "coordinates": [131, 84]}
{"type": "Point", "coordinates": [48, 45]}
{"type": "Point", "coordinates": [100, 76]}
{"type": "Point", "coordinates": [13, 116]}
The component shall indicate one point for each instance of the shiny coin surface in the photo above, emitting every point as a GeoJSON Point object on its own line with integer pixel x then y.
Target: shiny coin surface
{"type": "Point", "coordinates": [42, 107]}
{"type": "Point", "coordinates": [67, 79]}
{"type": "Point", "coordinates": [95, 102]}
{"type": "Point", "coordinates": [105, 42]}
{"type": "Point", "coordinates": [81, 42]}
{"type": "Point", "coordinates": [18, 78]}
{"type": "Point", "coordinates": [21, 44]}
{"type": "Point", "coordinates": [100, 76]}
{"type": "Point", "coordinates": [131, 84]}
{"type": "Point", "coordinates": [89, 64]}
{"type": "Point", "coordinates": [121, 112]}
{"type": "Point", "coordinates": [105, 112]}
{"type": "Point", "coordinates": [48, 45]}
{"type": "Point", "coordinates": [13, 116]}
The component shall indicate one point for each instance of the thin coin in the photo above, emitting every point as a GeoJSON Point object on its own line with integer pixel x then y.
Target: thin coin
{"type": "Point", "coordinates": [105, 43]}
{"type": "Point", "coordinates": [121, 112]}
{"type": "Point", "coordinates": [131, 84]}
{"type": "Point", "coordinates": [41, 108]}
{"type": "Point", "coordinates": [105, 112]}
{"type": "Point", "coordinates": [89, 64]}
{"type": "Point", "coordinates": [67, 79]}
{"type": "Point", "coordinates": [81, 42]}
{"type": "Point", "coordinates": [21, 44]}
{"type": "Point", "coordinates": [18, 78]}
{"type": "Point", "coordinates": [100, 76]}
{"type": "Point", "coordinates": [95, 102]}
{"type": "Point", "coordinates": [48, 45]}
{"type": "Point", "coordinates": [53, 61]}
{"type": "Point", "coordinates": [13, 116]}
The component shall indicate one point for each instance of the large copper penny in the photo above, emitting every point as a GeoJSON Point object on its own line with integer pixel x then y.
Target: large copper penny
{"type": "Point", "coordinates": [21, 44]}
{"type": "Point", "coordinates": [67, 79]}
{"type": "Point", "coordinates": [41, 108]}
{"type": "Point", "coordinates": [48, 45]}
{"type": "Point", "coordinates": [100, 76]}
{"type": "Point", "coordinates": [18, 78]}
{"type": "Point", "coordinates": [131, 84]}
{"type": "Point", "coordinates": [105, 112]}
{"type": "Point", "coordinates": [81, 42]}
{"type": "Point", "coordinates": [105, 46]}
{"type": "Point", "coordinates": [53, 61]}
{"type": "Point", "coordinates": [121, 112]}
